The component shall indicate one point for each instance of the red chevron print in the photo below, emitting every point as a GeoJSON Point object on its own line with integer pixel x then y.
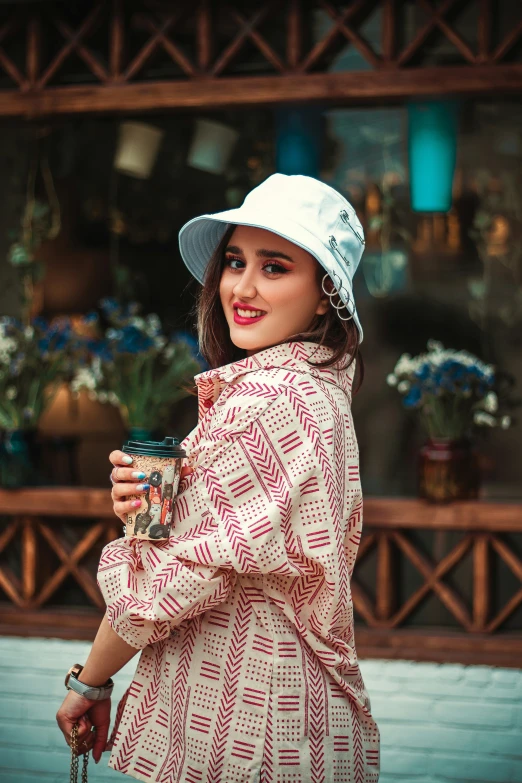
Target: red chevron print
{"type": "Point", "coordinates": [231, 683]}
{"type": "Point", "coordinates": [244, 615]}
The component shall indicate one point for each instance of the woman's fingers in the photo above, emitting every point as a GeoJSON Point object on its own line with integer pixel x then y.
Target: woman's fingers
{"type": "Point", "coordinates": [122, 508]}
{"type": "Point", "coordinates": [121, 489]}
{"type": "Point", "coordinates": [127, 474]}
{"type": "Point", "coordinates": [120, 458]}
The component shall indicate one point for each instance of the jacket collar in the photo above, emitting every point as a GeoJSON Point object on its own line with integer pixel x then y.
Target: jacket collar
{"type": "Point", "coordinates": [291, 356]}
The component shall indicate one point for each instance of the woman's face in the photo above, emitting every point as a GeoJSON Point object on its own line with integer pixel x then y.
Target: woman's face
{"type": "Point", "coordinates": [264, 272]}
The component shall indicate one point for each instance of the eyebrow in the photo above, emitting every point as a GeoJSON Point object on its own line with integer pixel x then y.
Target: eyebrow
{"type": "Point", "coordinates": [262, 253]}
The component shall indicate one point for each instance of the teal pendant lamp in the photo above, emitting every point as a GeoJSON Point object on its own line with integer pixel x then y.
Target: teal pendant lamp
{"type": "Point", "coordinates": [432, 151]}
{"type": "Point", "coordinates": [298, 140]}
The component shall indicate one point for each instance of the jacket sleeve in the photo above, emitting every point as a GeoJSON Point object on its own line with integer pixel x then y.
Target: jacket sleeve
{"type": "Point", "coordinates": [246, 509]}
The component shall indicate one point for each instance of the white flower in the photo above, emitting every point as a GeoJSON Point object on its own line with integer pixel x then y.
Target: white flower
{"type": "Point", "coordinates": [153, 324]}
{"type": "Point", "coordinates": [491, 402]}
{"type": "Point", "coordinates": [103, 396]}
{"type": "Point", "coordinates": [391, 379]}
{"type": "Point", "coordinates": [138, 322]}
{"type": "Point", "coordinates": [169, 351]}
{"type": "Point", "coordinates": [403, 386]}
{"type": "Point", "coordinates": [505, 422]}
{"type": "Point", "coordinates": [29, 332]}
{"type": "Point", "coordinates": [83, 379]}
{"type": "Point", "coordinates": [160, 342]}
{"type": "Point", "coordinates": [435, 345]}
{"type": "Point", "coordinates": [480, 417]}
{"type": "Point", "coordinates": [92, 395]}
{"type": "Point", "coordinates": [11, 392]}
{"type": "Point", "coordinates": [7, 347]}
{"type": "Point", "coordinates": [113, 398]}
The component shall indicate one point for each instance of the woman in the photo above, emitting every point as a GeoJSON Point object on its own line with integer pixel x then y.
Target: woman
{"type": "Point", "coordinates": [244, 617]}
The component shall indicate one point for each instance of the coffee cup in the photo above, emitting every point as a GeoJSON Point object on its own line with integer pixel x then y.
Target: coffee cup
{"type": "Point", "coordinates": [161, 462]}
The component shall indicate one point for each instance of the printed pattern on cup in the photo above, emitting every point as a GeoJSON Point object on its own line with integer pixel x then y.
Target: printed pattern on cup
{"type": "Point", "coordinates": [153, 519]}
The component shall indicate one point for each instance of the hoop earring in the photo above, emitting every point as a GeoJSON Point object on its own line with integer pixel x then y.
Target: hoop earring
{"type": "Point", "coordinates": [335, 292]}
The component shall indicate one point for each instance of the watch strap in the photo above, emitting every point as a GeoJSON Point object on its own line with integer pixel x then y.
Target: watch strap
{"type": "Point", "coordinates": [91, 692]}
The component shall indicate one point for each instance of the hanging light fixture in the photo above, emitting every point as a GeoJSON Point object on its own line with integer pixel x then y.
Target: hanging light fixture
{"type": "Point", "coordinates": [211, 147]}
{"type": "Point", "coordinates": [432, 150]}
{"type": "Point", "coordinates": [298, 140]}
{"type": "Point", "coordinates": [138, 146]}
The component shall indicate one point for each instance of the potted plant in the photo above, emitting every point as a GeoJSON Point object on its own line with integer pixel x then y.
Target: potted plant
{"type": "Point", "coordinates": [35, 360]}
{"type": "Point", "coordinates": [136, 368]}
{"type": "Point", "coordinates": [454, 393]}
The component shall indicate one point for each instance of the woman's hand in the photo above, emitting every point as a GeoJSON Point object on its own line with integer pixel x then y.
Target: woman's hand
{"type": "Point", "coordinates": [126, 482]}
{"type": "Point", "coordinates": [89, 715]}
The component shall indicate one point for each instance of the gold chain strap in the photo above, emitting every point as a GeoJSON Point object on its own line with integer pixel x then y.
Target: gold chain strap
{"type": "Point", "coordinates": [74, 758]}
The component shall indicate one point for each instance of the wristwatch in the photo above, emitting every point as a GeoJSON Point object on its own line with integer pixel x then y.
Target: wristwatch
{"type": "Point", "coordinates": [89, 691]}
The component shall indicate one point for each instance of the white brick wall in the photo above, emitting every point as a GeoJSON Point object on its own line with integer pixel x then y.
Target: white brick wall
{"type": "Point", "coordinates": [440, 723]}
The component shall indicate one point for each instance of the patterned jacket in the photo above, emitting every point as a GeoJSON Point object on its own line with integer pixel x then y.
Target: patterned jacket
{"type": "Point", "coordinates": [244, 616]}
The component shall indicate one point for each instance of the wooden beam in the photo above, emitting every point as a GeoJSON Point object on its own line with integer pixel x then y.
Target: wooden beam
{"type": "Point", "coordinates": [384, 85]}
{"type": "Point", "coordinates": [481, 581]}
{"type": "Point", "coordinates": [294, 35]}
{"type": "Point", "coordinates": [388, 34]}
{"type": "Point", "coordinates": [484, 31]}
{"type": "Point", "coordinates": [117, 38]}
{"type": "Point", "coordinates": [440, 646]}
{"type": "Point", "coordinates": [33, 51]}
{"type": "Point", "coordinates": [204, 35]}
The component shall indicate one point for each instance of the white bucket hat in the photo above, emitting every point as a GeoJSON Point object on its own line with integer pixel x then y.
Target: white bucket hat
{"type": "Point", "coordinates": [301, 209]}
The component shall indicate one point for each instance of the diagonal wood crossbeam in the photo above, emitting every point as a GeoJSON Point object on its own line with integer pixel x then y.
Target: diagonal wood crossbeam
{"type": "Point", "coordinates": [262, 44]}
{"type": "Point", "coordinates": [70, 564]}
{"type": "Point", "coordinates": [515, 564]}
{"type": "Point", "coordinates": [433, 574]}
{"type": "Point", "coordinates": [436, 18]}
{"type": "Point", "coordinates": [324, 46]}
{"type": "Point", "coordinates": [247, 30]}
{"type": "Point", "coordinates": [360, 43]}
{"type": "Point", "coordinates": [160, 38]}
{"type": "Point", "coordinates": [379, 617]}
{"type": "Point", "coordinates": [74, 44]}
{"type": "Point", "coordinates": [5, 62]}
{"type": "Point", "coordinates": [451, 34]}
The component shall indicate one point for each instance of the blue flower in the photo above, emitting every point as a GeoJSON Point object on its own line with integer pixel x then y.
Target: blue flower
{"type": "Point", "coordinates": [423, 373]}
{"type": "Point", "coordinates": [412, 399]}
{"type": "Point", "coordinates": [109, 305]}
{"type": "Point", "coordinates": [133, 341]}
{"type": "Point", "coordinates": [40, 323]}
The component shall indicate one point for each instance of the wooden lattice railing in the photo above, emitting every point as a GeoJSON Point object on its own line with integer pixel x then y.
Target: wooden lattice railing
{"type": "Point", "coordinates": [51, 539]}
{"type": "Point", "coordinates": [117, 55]}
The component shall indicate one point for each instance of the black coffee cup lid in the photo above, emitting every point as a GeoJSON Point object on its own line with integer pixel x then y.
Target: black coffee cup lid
{"type": "Point", "coordinates": [168, 447]}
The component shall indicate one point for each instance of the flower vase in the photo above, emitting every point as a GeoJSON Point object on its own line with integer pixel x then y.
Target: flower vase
{"type": "Point", "coordinates": [448, 469]}
{"type": "Point", "coordinates": [19, 459]}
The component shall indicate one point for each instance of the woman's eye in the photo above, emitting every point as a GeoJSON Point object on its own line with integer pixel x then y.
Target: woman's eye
{"type": "Point", "coordinates": [230, 262]}
{"type": "Point", "coordinates": [276, 268]}
{"type": "Point", "coordinates": [272, 268]}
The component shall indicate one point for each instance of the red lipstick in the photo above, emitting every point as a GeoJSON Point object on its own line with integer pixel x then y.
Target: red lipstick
{"type": "Point", "coordinates": [245, 320]}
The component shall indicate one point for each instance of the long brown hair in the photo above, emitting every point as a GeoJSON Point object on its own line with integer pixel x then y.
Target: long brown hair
{"type": "Point", "coordinates": [218, 349]}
